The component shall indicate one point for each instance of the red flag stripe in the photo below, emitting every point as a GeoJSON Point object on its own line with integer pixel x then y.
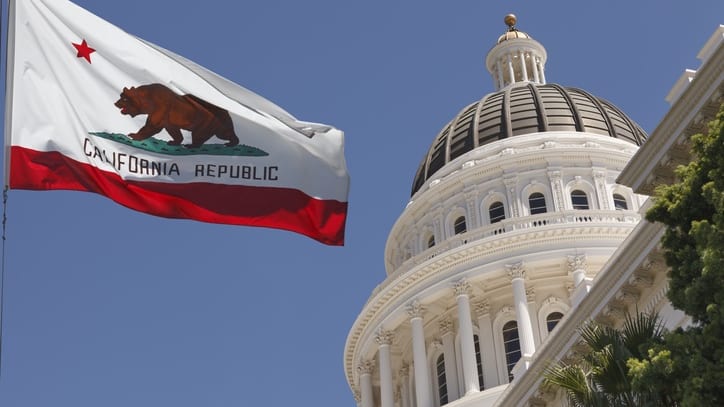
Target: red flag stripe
{"type": "Point", "coordinates": [281, 208]}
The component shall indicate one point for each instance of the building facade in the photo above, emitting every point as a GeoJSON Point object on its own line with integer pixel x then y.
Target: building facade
{"type": "Point", "coordinates": [519, 210]}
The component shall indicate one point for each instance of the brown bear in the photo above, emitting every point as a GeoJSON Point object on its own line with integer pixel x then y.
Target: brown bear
{"type": "Point", "coordinates": [173, 112]}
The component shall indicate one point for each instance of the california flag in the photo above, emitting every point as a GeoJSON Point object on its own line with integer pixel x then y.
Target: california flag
{"type": "Point", "coordinates": [93, 108]}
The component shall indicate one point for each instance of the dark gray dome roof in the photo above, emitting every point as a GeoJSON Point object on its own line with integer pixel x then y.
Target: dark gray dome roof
{"type": "Point", "coordinates": [525, 109]}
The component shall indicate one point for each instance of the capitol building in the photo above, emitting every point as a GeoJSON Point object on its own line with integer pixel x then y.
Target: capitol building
{"type": "Point", "coordinates": [525, 221]}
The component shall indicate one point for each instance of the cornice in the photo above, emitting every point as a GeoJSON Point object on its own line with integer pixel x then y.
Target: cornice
{"type": "Point", "coordinates": [688, 115]}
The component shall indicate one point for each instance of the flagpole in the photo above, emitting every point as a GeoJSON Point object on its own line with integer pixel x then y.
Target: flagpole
{"type": "Point", "coordinates": [9, 72]}
{"type": "Point", "coordinates": [9, 62]}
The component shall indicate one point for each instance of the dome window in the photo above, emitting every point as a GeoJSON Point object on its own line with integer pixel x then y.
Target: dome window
{"type": "Point", "coordinates": [537, 203]}
{"type": "Point", "coordinates": [579, 199]}
{"type": "Point", "coordinates": [460, 226]}
{"type": "Point", "coordinates": [441, 380]}
{"type": "Point", "coordinates": [552, 320]}
{"type": "Point", "coordinates": [431, 241]}
{"type": "Point", "coordinates": [496, 212]}
{"type": "Point", "coordinates": [619, 202]}
{"type": "Point", "coordinates": [511, 342]}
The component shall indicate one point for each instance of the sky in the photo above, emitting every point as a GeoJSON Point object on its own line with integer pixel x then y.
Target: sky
{"type": "Point", "coordinates": [103, 306]}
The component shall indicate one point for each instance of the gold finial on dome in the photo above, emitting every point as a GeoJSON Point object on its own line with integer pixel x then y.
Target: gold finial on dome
{"type": "Point", "coordinates": [510, 21]}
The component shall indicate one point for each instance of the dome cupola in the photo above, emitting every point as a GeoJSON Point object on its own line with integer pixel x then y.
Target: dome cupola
{"type": "Point", "coordinates": [523, 104]}
{"type": "Point", "coordinates": [516, 58]}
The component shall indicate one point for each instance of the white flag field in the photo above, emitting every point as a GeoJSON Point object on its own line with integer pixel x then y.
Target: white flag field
{"type": "Point", "coordinates": [92, 108]}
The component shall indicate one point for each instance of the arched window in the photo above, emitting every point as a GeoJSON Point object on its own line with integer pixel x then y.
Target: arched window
{"type": "Point", "coordinates": [579, 199]}
{"type": "Point", "coordinates": [479, 360]}
{"type": "Point", "coordinates": [430, 241]}
{"type": "Point", "coordinates": [619, 202]}
{"type": "Point", "coordinates": [537, 203]}
{"type": "Point", "coordinates": [511, 343]}
{"type": "Point", "coordinates": [441, 379]}
{"type": "Point", "coordinates": [460, 226]}
{"type": "Point", "coordinates": [552, 320]}
{"type": "Point", "coordinates": [496, 212]}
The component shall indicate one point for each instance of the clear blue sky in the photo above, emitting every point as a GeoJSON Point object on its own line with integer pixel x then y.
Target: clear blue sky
{"type": "Point", "coordinates": [108, 307]}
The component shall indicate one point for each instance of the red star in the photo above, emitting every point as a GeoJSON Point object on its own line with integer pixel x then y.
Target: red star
{"type": "Point", "coordinates": [84, 50]}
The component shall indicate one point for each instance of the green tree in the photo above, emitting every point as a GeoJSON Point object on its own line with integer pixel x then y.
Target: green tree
{"type": "Point", "coordinates": [693, 212]}
{"type": "Point", "coordinates": [601, 377]}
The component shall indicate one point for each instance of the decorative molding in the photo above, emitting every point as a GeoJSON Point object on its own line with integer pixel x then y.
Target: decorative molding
{"type": "Point", "coordinates": [482, 308]}
{"type": "Point", "coordinates": [446, 326]}
{"type": "Point", "coordinates": [505, 310]}
{"type": "Point", "coordinates": [577, 262]}
{"type": "Point", "coordinates": [366, 366]}
{"type": "Point", "coordinates": [357, 396]}
{"type": "Point", "coordinates": [461, 287]}
{"type": "Point", "coordinates": [415, 309]}
{"type": "Point", "coordinates": [384, 337]}
{"type": "Point", "coordinates": [551, 300]}
{"type": "Point", "coordinates": [515, 270]}
{"type": "Point", "coordinates": [436, 344]}
{"type": "Point", "coordinates": [530, 294]}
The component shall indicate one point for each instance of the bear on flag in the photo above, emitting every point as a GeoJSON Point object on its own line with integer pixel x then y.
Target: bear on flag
{"type": "Point", "coordinates": [93, 108]}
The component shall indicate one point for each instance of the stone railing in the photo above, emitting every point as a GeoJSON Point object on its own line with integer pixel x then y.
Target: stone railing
{"type": "Point", "coordinates": [499, 229]}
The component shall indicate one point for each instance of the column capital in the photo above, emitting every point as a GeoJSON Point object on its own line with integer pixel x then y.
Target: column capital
{"type": "Point", "coordinates": [515, 270]}
{"type": "Point", "coordinates": [482, 307]}
{"type": "Point", "coordinates": [357, 396]}
{"type": "Point", "coordinates": [415, 309]}
{"type": "Point", "coordinates": [384, 337]}
{"type": "Point", "coordinates": [576, 262]}
{"type": "Point", "coordinates": [554, 175]}
{"type": "Point", "coordinates": [446, 326]}
{"type": "Point", "coordinates": [366, 366]}
{"type": "Point", "coordinates": [461, 287]}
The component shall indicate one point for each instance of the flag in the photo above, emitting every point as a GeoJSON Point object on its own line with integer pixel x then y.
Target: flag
{"type": "Point", "coordinates": [92, 108]}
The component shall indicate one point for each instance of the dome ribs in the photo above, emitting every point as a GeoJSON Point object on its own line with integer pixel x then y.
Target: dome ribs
{"type": "Point", "coordinates": [462, 135]}
{"type": "Point", "coordinates": [524, 109]}
{"type": "Point", "coordinates": [540, 109]}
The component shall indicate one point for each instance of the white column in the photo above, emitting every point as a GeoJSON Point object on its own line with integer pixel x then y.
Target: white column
{"type": "Point", "coordinates": [467, 343]}
{"type": "Point", "coordinates": [534, 65]}
{"type": "Point", "coordinates": [448, 348]}
{"type": "Point", "coordinates": [542, 72]}
{"type": "Point", "coordinates": [522, 66]}
{"type": "Point", "coordinates": [533, 312]}
{"type": "Point", "coordinates": [387, 394]}
{"type": "Point", "coordinates": [501, 79]}
{"type": "Point", "coordinates": [581, 284]}
{"type": "Point", "coordinates": [419, 355]}
{"type": "Point", "coordinates": [525, 328]}
{"type": "Point", "coordinates": [405, 386]}
{"type": "Point", "coordinates": [365, 382]}
{"type": "Point", "coordinates": [487, 347]}
{"type": "Point", "coordinates": [511, 71]}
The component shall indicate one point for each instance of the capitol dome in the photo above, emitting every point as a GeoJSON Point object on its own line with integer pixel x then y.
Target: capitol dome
{"type": "Point", "coordinates": [524, 108]}
{"type": "Point", "coordinates": [515, 208]}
